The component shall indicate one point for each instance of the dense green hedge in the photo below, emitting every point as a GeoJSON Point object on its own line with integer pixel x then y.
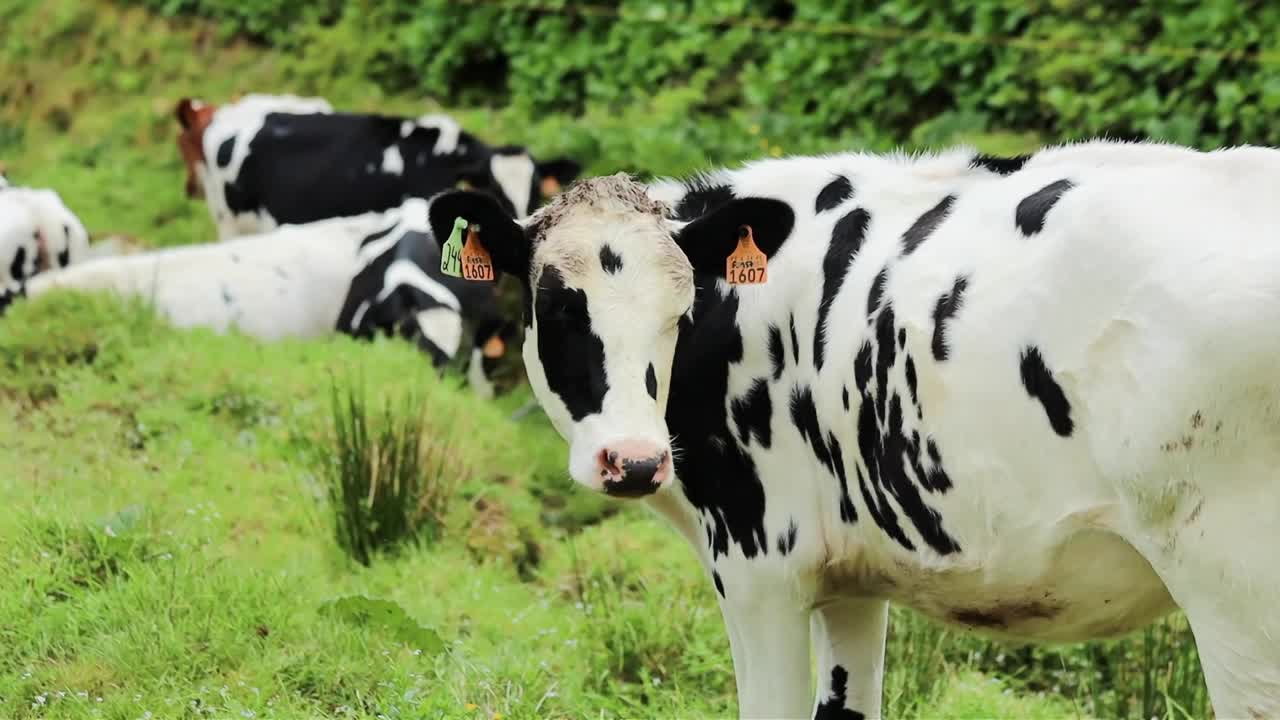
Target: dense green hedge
{"type": "Point", "coordinates": [795, 82]}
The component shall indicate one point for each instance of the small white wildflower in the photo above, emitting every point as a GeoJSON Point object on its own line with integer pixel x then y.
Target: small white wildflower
{"type": "Point", "coordinates": [40, 700]}
{"type": "Point", "coordinates": [657, 681]}
{"type": "Point", "coordinates": [146, 715]}
{"type": "Point", "coordinates": [191, 511]}
{"type": "Point", "coordinates": [97, 699]}
{"type": "Point", "coordinates": [247, 713]}
{"type": "Point", "coordinates": [61, 694]}
{"type": "Point", "coordinates": [45, 554]}
{"type": "Point", "coordinates": [417, 651]}
{"type": "Point", "coordinates": [240, 684]}
{"type": "Point", "coordinates": [82, 695]}
{"type": "Point", "coordinates": [109, 531]}
{"type": "Point", "coordinates": [137, 697]}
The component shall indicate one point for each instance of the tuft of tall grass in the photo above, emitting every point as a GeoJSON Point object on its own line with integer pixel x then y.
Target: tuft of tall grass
{"type": "Point", "coordinates": [390, 473]}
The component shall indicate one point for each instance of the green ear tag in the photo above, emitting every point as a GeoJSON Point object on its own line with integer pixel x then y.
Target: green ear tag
{"type": "Point", "coordinates": [451, 252]}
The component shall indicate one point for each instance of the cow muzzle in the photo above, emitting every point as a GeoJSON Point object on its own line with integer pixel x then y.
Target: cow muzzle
{"type": "Point", "coordinates": [633, 468]}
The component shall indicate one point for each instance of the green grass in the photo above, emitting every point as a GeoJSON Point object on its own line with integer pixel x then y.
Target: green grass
{"type": "Point", "coordinates": [167, 543]}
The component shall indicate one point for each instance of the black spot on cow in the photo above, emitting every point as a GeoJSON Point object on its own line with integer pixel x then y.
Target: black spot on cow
{"type": "Point", "coordinates": [795, 341]}
{"type": "Point", "coordinates": [1040, 385]}
{"type": "Point", "coordinates": [844, 397]}
{"type": "Point", "coordinates": [651, 382]}
{"type": "Point", "coordinates": [564, 322]}
{"type": "Point", "coordinates": [64, 257]}
{"type": "Point", "coordinates": [833, 707]}
{"type": "Point", "coordinates": [225, 150]}
{"type": "Point", "coordinates": [835, 192]}
{"type": "Point", "coordinates": [924, 226]}
{"type": "Point", "coordinates": [888, 452]}
{"type": "Point", "coordinates": [717, 475]}
{"type": "Point", "coordinates": [877, 291]}
{"type": "Point", "coordinates": [1033, 208]}
{"type": "Point", "coordinates": [701, 199]}
{"type": "Point", "coordinates": [777, 354]}
{"type": "Point", "coordinates": [66, 231]}
{"type": "Point", "coordinates": [946, 308]}
{"type": "Point", "coordinates": [609, 260]}
{"type": "Point", "coordinates": [17, 268]}
{"type": "Point", "coordinates": [715, 577]}
{"type": "Point", "coordinates": [787, 540]}
{"type": "Point", "coordinates": [804, 415]}
{"type": "Point", "coordinates": [912, 380]}
{"type": "Point", "coordinates": [846, 240]}
{"type": "Point", "coordinates": [1001, 165]}
{"type": "Point", "coordinates": [751, 414]}
{"type": "Point", "coordinates": [238, 201]}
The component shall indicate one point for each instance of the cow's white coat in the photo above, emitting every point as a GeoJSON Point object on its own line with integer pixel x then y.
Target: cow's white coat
{"type": "Point", "coordinates": [1153, 292]}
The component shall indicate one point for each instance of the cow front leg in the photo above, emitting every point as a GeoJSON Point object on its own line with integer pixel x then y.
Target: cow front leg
{"type": "Point", "coordinates": [849, 637]}
{"type": "Point", "coordinates": [770, 644]}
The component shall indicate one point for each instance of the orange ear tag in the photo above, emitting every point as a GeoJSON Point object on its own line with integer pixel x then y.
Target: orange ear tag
{"type": "Point", "coordinates": [550, 186]}
{"type": "Point", "coordinates": [747, 264]}
{"type": "Point", "coordinates": [493, 348]}
{"type": "Point", "coordinates": [476, 263]}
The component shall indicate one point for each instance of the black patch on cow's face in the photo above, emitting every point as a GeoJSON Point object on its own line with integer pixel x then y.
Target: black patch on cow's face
{"type": "Point", "coordinates": [844, 397]}
{"type": "Point", "coordinates": [1040, 385]}
{"type": "Point", "coordinates": [912, 380]}
{"type": "Point", "coordinates": [225, 150]}
{"type": "Point", "coordinates": [946, 308]}
{"type": "Point", "coordinates": [751, 414]}
{"type": "Point", "coordinates": [795, 341]}
{"type": "Point", "coordinates": [1001, 165]}
{"type": "Point", "coordinates": [787, 540]}
{"type": "Point", "coordinates": [715, 577]}
{"type": "Point", "coordinates": [833, 707]}
{"type": "Point", "coordinates": [836, 192]}
{"type": "Point", "coordinates": [804, 415]}
{"type": "Point", "coordinates": [572, 356]}
{"type": "Point", "coordinates": [651, 382]}
{"type": "Point", "coordinates": [64, 257]}
{"type": "Point", "coordinates": [702, 199]}
{"type": "Point", "coordinates": [1033, 208]}
{"type": "Point", "coordinates": [877, 291]}
{"type": "Point", "coordinates": [846, 240]}
{"type": "Point", "coordinates": [715, 472]}
{"type": "Point", "coordinates": [609, 260]}
{"type": "Point", "coordinates": [924, 226]}
{"type": "Point", "coordinates": [777, 354]}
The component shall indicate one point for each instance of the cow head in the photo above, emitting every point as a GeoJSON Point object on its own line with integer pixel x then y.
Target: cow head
{"type": "Point", "coordinates": [520, 183]}
{"type": "Point", "coordinates": [609, 279]}
{"type": "Point", "coordinates": [194, 116]}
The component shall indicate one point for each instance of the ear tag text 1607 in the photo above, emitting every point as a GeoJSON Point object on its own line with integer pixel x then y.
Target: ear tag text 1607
{"type": "Point", "coordinates": [451, 251]}
{"type": "Point", "coordinates": [476, 263]}
{"type": "Point", "coordinates": [747, 264]}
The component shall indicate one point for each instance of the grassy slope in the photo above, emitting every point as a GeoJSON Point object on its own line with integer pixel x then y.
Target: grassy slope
{"type": "Point", "coordinates": [208, 592]}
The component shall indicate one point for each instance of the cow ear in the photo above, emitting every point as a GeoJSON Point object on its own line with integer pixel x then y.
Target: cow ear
{"type": "Point", "coordinates": [557, 173]}
{"type": "Point", "coordinates": [709, 240]}
{"type": "Point", "coordinates": [185, 111]}
{"type": "Point", "coordinates": [502, 236]}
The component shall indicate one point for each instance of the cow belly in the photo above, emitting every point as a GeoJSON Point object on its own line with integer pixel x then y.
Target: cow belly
{"type": "Point", "coordinates": [1091, 584]}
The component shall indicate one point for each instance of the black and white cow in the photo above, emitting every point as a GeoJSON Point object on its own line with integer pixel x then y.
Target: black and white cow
{"type": "Point", "coordinates": [61, 238]}
{"type": "Point", "coordinates": [268, 160]}
{"type": "Point", "coordinates": [19, 246]}
{"type": "Point", "coordinates": [1035, 397]}
{"type": "Point", "coordinates": [376, 273]}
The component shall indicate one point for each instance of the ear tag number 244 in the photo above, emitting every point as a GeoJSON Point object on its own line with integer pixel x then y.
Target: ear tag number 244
{"type": "Point", "coordinates": [469, 261]}
{"type": "Point", "coordinates": [747, 264]}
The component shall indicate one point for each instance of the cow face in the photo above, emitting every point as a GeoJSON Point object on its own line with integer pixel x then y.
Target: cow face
{"type": "Point", "coordinates": [609, 280]}
{"type": "Point", "coordinates": [520, 183]}
{"type": "Point", "coordinates": [194, 116]}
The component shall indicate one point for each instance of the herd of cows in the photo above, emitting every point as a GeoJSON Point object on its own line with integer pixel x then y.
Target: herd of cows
{"type": "Point", "coordinates": [1034, 396]}
{"type": "Point", "coordinates": [321, 222]}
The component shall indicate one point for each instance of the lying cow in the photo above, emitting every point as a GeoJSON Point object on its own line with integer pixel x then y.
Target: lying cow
{"type": "Point", "coordinates": [19, 247]}
{"type": "Point", "coordinates": [265, 162]}
{"type": "Point", "coordinates": [377, 273]}
{"type": "Point", "coordinates": [1031, 397]}
{"type": "Point", "coordinates": [61, 238]}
